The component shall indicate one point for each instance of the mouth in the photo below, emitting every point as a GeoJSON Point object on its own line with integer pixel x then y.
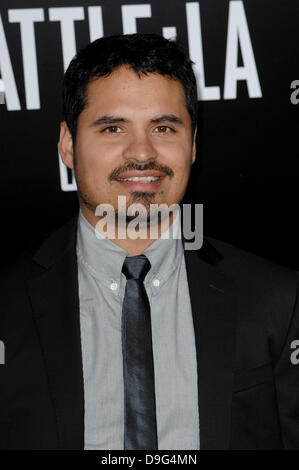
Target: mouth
{"type": "Point", "coordinates": [147, 182]}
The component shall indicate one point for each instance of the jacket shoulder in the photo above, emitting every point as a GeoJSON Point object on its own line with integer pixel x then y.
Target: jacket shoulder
{"type": "Point", "coordinates": [265, 290]}
{"type": "Point", "coordinates": [46, 246]}
{"type": "Point", "coordinates": [242, 262]}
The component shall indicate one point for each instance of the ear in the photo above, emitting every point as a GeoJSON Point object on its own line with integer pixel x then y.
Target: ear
{"type": "Point", "coordinates": [194, 147]}
{"type": "Point", "coordinates": [66, 148]}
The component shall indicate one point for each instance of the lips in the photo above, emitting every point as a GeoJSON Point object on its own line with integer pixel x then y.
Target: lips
{"type": "Point", "coordinates": [140, 174]}
{"type": "Point", "coordinates": [141, 180]}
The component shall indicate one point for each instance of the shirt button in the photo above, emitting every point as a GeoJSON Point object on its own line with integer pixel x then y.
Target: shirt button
{"type": "Point", "coordinates": [113, 285]}
{"type": "Point", "coordinates": [156, 282]}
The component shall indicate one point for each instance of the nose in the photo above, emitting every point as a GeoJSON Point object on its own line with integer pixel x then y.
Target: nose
{"type": "Point", "coordinates": [140, 148]}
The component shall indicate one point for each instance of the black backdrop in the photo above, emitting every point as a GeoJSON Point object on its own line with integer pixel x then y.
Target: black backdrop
{"type": "Point", "coordinates": [247, 163]}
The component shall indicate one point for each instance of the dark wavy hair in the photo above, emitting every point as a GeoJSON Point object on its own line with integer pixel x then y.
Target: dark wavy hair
{"type": "Point", "coordinates": [144, 53]}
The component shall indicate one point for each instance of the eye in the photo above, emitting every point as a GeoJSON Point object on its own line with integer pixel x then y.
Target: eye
{"type": "Point", "coordinates": [163, 129]}
{"type": "Point", "coordinates": [112, 130]}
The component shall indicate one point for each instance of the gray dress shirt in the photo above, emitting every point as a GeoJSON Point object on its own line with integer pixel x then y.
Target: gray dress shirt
{"type": "Point", "coordinates": [101, 292]}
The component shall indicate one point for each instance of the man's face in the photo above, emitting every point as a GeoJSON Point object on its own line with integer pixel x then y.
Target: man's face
{"type": "Point", "coordinates": [131, 127]}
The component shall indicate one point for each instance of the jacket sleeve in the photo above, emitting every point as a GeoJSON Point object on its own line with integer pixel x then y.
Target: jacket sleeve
{"type": "Point", "coordinates": [287, 381]}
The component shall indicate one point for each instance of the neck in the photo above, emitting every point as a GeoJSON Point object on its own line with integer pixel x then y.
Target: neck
{"type": "Point", "coordinates": [123, 237]}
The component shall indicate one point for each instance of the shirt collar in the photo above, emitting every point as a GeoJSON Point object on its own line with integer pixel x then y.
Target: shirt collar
{"type": "Point", "coordinates": [104, 259]}
{"type": "Point", "coordinates": [165, 253]}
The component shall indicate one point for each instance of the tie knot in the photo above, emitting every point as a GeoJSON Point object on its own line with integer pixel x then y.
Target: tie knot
{"type": "Point", "coordinates": [136, 267]}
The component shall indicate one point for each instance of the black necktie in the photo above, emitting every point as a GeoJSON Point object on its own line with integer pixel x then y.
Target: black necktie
{"type": "Point", "coordinates": [140, 427]}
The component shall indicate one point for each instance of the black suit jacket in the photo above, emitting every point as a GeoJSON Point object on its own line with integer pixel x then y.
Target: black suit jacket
{"type": "Point", "coordinates": [246, 315]}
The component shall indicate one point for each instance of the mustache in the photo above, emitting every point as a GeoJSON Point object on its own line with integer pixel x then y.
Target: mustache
{"type": "Point", "coordinates": [138, 167]}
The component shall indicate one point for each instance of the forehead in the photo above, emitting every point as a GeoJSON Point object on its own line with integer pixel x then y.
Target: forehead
{"type": "Point", "coordinates": [123, 88]}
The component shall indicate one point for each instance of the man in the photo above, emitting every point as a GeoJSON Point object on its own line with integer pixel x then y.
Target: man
{"type": "Point", "coordinates": [127, 343]}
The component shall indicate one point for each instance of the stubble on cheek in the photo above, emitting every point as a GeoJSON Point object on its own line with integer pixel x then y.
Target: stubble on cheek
{"type": "Point", "coordinates": [84, 197]}
{"type": "Point", "coordinates": [84, 194]}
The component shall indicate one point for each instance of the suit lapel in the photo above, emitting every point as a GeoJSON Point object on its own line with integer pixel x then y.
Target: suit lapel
{"type": "Point", "coordinates": [213, 313]}
{"type": "Point", "coordinates": [53, 290]}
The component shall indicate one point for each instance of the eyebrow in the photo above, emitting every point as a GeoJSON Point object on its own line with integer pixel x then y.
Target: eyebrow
{"type": "Point", "coordinates": [169, 118]}
{"type": "Point", "coordinates": [108, 119]}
